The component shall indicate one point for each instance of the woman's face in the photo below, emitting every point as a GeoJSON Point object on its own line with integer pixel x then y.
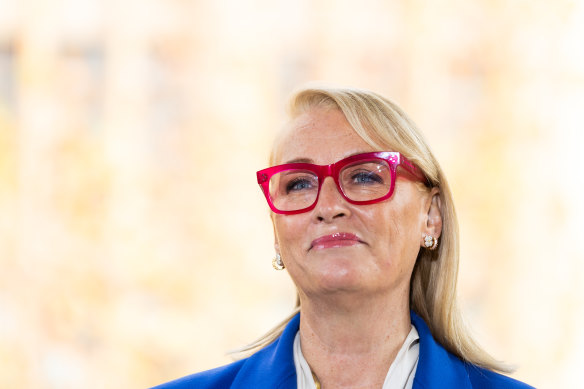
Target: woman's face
{"type": "Point", "coordinates": [381, 240]}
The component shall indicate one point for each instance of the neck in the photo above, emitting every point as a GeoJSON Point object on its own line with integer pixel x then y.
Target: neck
{"type": "Point", "coordinates": [353, 345]}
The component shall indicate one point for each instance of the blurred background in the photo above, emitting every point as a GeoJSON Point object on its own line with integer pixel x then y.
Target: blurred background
{"type": "Point", "coordinates": [135, 244]}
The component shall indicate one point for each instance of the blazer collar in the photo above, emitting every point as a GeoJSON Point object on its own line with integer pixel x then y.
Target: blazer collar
{"type": "Point", "coordinates": [272, 366]}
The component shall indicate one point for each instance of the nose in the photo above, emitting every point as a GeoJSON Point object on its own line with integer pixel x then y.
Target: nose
{"type": "Point", "coordinates": [331, 203]}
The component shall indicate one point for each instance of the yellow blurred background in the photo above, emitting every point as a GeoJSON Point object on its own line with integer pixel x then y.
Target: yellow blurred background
{"type": "Point", "coordinates": [135, 245]}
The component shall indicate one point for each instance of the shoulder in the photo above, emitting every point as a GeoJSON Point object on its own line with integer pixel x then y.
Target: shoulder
{"type": "Point", "coordinates": [270, 367]}
{"type": "Point", "coordinates": [487, 379]}
{"type": "Point", "coordinates": [221, 377]}
{"type": "Point", "coordinates": [439, 368]}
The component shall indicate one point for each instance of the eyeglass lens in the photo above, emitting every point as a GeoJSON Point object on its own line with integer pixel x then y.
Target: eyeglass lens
{"type": "Point", "coordinates": [295, 189]}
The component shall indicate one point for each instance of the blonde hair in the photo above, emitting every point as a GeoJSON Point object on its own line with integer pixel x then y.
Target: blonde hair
{"type": "Point", "coordinates": [384, 126]}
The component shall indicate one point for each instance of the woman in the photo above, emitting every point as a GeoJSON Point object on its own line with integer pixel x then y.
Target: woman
{"type": "Point", "coordinates": [365, 225]}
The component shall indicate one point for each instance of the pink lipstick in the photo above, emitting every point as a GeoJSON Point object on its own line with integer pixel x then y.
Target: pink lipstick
{"type": "Point", "coordinates": [338, 239]}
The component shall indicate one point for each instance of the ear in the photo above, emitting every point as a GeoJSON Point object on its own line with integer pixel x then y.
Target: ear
{"type": "Point", "coordinates": [433, 225]}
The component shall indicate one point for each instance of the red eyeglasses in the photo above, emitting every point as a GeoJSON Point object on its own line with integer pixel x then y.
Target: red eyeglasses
{"type": "Point", "coordinates": [361, 179]}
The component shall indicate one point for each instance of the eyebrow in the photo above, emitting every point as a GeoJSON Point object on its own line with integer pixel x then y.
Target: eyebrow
{"type": "Point", "coordinates": [300, 160]}
{"type": "Point", "coordinates": [308, 160]}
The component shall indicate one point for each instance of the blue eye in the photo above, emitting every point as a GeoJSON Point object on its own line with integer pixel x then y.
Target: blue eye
{"type": "Point", "coordinates": [366, 178]}
{"type": "Point", "coordinates": [298, 184]}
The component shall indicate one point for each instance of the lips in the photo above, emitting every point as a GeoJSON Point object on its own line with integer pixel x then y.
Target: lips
{"type": "Point", "coordinates": [338, 239]}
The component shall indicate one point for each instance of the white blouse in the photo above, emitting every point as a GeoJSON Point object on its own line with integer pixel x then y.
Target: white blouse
{"type": "Point", "coordinates": [399, 376]}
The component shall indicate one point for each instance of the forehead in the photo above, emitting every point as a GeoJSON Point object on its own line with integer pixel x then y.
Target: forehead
{"type": "Point", "coordinates": [320, 135]}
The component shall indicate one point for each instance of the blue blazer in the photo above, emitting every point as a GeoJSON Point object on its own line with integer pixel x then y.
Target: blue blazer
{"type": "Point", "coordinates": [273, 367]}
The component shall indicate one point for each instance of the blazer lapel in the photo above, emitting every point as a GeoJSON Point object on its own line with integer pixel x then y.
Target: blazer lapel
{"type": "Point", "coordinates": [437, 368]}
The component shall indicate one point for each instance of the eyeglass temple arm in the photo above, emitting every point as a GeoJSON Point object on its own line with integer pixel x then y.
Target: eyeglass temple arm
{"type": "Point", "coordinates": [413, 170]}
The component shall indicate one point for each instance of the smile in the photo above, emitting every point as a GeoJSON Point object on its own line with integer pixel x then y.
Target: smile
{"type": "Point", "coordinates": [338, 239]}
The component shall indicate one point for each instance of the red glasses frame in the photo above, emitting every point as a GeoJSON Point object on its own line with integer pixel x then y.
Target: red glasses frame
{"type": "Point", "coordinates": [393, 158]}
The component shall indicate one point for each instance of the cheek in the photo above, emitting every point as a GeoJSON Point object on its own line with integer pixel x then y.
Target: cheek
{"type": "Point", "coordinates": [289, 231]}
{"type": "Point", "coordinates": [398, 228]}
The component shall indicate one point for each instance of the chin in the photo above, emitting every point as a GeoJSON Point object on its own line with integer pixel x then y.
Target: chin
{"type": "Point", "coordinates": [340, 276]}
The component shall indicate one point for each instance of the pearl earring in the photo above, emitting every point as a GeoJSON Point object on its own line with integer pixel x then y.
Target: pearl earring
{"type": "Point", "coordinates": [277, 262]}
{"type": "Point", "coordinates": [430, 242]}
